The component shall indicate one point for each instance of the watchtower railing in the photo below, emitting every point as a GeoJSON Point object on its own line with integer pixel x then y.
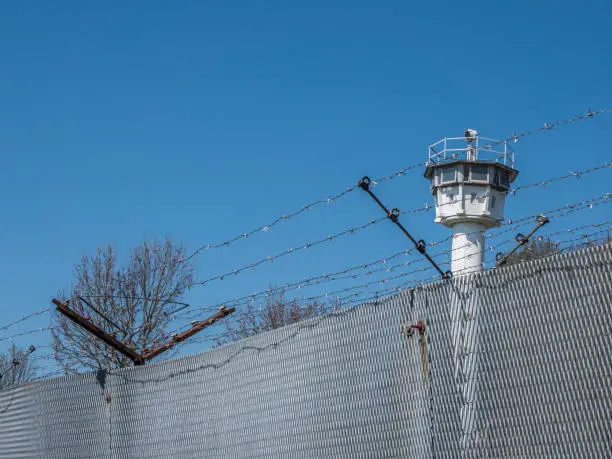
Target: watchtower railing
{"type": "Point", "coordinates": [480, 149]}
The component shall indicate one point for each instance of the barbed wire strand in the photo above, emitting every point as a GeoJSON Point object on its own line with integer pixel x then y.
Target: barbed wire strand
{"type": "Point", "coordinates": [549, 126]}
{"type": "Point", "coordinates": [24, 318]}
{"type": "Point", "coordinates": [438, 277]}
{"type": "Point", "coordinates": [356, 298]}
{"type": "Point", "coordinates": [565, 210]}
{"type": "Point", "coordinates": [27, 332]}
{"type": "Point", "coordinates": [265, 228]}
{"type": "Point", "coordinates": [427, 207]}
{"type": "Point", "coordinates": [541, 183]}
{"type": "Point", "coordinates": [246, 299]}
{"type": "Point", "coordinates": [307, 245]}
{"type": "Point", "coordinates": [352, 230]}
{"type": "Point", "coordinates": [561, 211]}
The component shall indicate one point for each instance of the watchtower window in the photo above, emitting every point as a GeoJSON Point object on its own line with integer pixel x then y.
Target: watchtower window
{"type": "Point", "coordinates": [479, 173]}
{"type": "Point", "coordinates": [448, 175]}
{"type": "Point", "coordinates": [503, 178]}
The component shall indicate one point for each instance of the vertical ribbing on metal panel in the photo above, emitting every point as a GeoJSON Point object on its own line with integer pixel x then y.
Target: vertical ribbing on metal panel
{"type": "Point", "coordinates": [18, 422]}
{"type": "Point", "coordinates": [358, 384]}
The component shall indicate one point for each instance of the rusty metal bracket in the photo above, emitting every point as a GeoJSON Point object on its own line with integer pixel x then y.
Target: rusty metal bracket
{"type": "Point", "coordinates": [196, 327]}
{"type": "Point", "coordinates": [419, 326]}
{"type": "Point", "coordinates": [393, 215]}
{"type": "Point", "coordinates": [102, 335]}
{"type": "Point", "coordinates": [138, 358]}
{"type": "Point", "coordinates": [521, 239]}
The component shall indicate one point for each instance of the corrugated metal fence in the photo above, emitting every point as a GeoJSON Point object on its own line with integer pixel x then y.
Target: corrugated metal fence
{"type": "Point", "coordinates": [515, 362]}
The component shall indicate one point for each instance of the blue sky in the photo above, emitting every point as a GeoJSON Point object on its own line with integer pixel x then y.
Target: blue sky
{"type": "Point", "coordinates": [200, 121]}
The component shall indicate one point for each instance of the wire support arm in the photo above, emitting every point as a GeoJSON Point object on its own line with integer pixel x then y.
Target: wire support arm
{"type": "Point", "coordinates": [393, 215]}
{"type": "Point", "coordinates": [24, 357]}
{"type": "Point", "coordinates": [521, 239]}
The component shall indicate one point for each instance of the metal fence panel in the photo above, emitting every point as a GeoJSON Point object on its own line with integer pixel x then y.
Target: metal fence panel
{"type": "Point", "coordinates": [73, 417]}
{"type": "Point", "coordinates": [18, 422]}
{"type": "Point", "coordinates": [514, 362]}
{"type": "Point", "coordinates": [338, 386]}
{"type": "Point", "coordinates": [543, 347]}
{"type": "Point", "coordinates": [546, 365]}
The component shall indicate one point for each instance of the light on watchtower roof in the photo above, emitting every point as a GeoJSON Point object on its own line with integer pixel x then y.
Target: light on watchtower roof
{"type": "Point", "coordinates": [470, 177]}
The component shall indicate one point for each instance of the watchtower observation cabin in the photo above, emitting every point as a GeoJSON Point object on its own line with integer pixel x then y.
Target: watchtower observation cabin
{"type": "Point", "coordinates": [470, 178]}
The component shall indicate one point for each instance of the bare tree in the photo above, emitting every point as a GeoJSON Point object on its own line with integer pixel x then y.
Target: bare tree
{"type": "Point", "coordinates": [16, 367]}
{"type": "Point", "coordinates": [274, 313]}
{"type": "Point", "coordinates": [535, 248]}
{"type": "Point", "coordinates": [130, 301]}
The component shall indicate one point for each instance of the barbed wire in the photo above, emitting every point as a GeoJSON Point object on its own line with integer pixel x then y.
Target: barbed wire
{"type": "Point", "coordinates": [142, 298]}
{"type": "Point", "coordinates": [399, 173]}
{"type": "Point", "coordinates": [378, 295]}
{"type": "Point", "coordinates": [515, 137]}
{"type": "Point", "coordinates": [285, 217]}
{"type": "Point", "coordinates": [543, 236]}
{"type": "Point", "coordinates": [354, 299]}
{"type": "Point", "coordinates": [512, 191]}
{"type": "Point", "coordinates": [46, 310]}
{"type": "Point", "coordinates": [570, 208]}
{"type": "Point", "coordinates": [383, 294]}
{"type": "Point", "coordinates": [352, 230]}
{"type": "Point", "coordinates": [335, 276]}
{"type": "Point", "coordinates": [427, 207]}
{"type": "Point", "coordinates": [577, 174]}
{"type": "Point", "coordinates": [438, 277]}
{"type": "Point", "coordinates": [292, 250]}
{"type": "Point", "coordinates": [266, 228]}
{"type": "Point", "coordinates": [27, 332]}
{"type": "Point", "coordinates": [565, 209]}
{"type": "Point", "coordinates": [511, 225]}
{"type": "Point", "coordinates": [340, 275]}
{"type": "Point", "coordinates": [436, 255]}
{"type": "Point", "coordinates": [563, 246]}
{"type": "Point", "coordinates": [549, 126]}
{"type": "Point", "coordinates": [357, 291]}
{"type": "Point", "coordinates": [548, 235]}
{"type": "Point", "coordinates": [357, 298]}
{"type": "Point", "coordinates": [24, 318]}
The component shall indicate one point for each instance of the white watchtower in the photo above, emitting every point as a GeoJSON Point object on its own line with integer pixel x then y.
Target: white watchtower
{"type": "Point", "coordinates": [470, 177]}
